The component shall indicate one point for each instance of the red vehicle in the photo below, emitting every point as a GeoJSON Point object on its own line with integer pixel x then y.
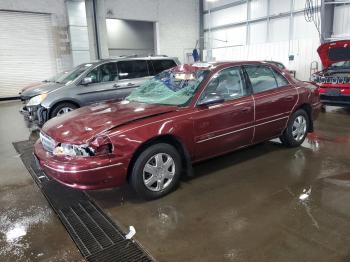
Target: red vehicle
{"type": "Point", "coordinates": [184, 115]}
{"type": "Point", "coordinates": [334, 79]}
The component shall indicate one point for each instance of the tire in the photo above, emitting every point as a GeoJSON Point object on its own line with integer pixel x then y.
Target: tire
{"type": "Point", "coordinates": [162, 178]}
{"type": "Point", "coordinates": [61, 107]}
{"type": "Point", "coordinates": [294, 135]}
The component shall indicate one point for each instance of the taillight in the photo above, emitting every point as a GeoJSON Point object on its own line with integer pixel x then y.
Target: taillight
{"type": "Point", "coordinates": [317, 90]}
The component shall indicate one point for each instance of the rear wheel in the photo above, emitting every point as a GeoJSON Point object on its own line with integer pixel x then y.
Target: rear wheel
{"type": "Point", "coordinates": [62, 108]}
{"type": "Point", "coordinates": [156, 171]}
{"type": "Point", "coordinates": [297, 128]}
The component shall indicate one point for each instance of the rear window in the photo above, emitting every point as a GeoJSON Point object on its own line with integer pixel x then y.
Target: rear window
{"type": "Point", "coordinates": [261, 78]}
{"type": "Point", "coordinates": [161, 65]}
{"type": "Point", "coordinates": [132, 69]}
{"type": "Point", "coordinates": [339, 53]}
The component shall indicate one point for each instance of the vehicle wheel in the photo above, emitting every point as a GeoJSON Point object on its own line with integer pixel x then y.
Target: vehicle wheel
{"type": "Point", "coordinates": [62, 108]}
{"type": "Point", "coordinates": [296, 131]}
{"type": "Point", "coordinates": [156, 171]}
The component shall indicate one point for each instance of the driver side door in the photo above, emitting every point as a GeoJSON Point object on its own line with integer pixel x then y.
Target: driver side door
{"type": "Point", "coordinates": [103, 86]}
{"type": "Point", "coordinates": [225, 126]}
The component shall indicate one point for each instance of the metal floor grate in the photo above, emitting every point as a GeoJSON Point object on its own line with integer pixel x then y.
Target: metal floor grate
{"type": "Point", "coordinates": [95, 234]}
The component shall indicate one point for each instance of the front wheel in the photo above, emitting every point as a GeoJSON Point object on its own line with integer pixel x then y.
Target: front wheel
{"type": "Point", "coordinates": [62, 108]}
{"type": "Point", "coordinates": [297, 128]}
{"type": "Point", "coordinates": [156, 171]}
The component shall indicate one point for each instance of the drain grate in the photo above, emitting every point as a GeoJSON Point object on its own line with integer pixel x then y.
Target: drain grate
{"type": "Point", "coordinates": [95, 234]}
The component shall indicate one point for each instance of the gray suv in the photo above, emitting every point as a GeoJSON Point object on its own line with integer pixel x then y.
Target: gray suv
{"type": "Point", "coordinates": [88, 83]}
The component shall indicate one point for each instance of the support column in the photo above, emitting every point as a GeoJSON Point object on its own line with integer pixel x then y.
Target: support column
{"type": "Point", "coordinates": [78, 31]}
{"type": "Point", "coordinates": [327, 17]}
{"type": "Point", "coordinates": [101, 29]}
{"type": "Point", "coordinates": [201, 29]}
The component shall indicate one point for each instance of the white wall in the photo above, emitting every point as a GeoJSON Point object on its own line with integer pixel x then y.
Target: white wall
{"type": "Point", "coordinates": [275, 38]}
{"type": "Point", "coordinates": [304, 52]}
{"type": "Point", "coordinates": [177, 21]}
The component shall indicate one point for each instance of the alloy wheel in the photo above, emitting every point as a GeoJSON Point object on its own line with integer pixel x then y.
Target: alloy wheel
{"type": "Point", "coordinates": [64, 110]}
{"type": "Point", "coordinates": [299, 128]}
{"type": "Point", "coordinates": [158, 172]}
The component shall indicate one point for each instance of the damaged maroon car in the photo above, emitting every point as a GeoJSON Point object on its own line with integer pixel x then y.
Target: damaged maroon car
{"type": "Point", "coordinates": [181, 116]}
{"type": "Point", "coordinates": [334, 79]}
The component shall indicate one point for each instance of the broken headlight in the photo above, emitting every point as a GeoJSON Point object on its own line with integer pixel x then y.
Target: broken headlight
{"type": "Point", "coordinates": [99, 146]}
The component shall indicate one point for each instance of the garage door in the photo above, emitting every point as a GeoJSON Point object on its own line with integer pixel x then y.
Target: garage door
{"type": "Point", "coordinates": [26, 51]}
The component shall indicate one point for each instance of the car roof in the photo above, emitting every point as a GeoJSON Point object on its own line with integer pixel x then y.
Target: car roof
{"type": "Point", "coordinates": [126, 58]}
{"type": "Point", "coordinates": [213, 65]}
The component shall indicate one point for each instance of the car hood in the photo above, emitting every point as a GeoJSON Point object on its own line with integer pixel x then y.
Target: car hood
{"type": "Point", "coordinates": [333, 52]}
{"type": "Point", "coordinates": [41, 88]}
{"type": "Point", "coordinates": [82, 125]}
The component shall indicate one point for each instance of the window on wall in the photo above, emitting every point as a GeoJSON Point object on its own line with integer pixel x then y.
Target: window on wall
{"type": "Point", "coordinates": [230, 15]}
{"type": "Point", "coordinates": [299, 4]}
{"type": "Point", "coordinates": [217, 3]}
{"type": "Point", "coordinates": [278, 6]}
{"type": "Point", "coordinates": [232, 36]}
{"type": "Point", "coordinates": [303, 30]}
{"type": "Point", "coordinates": [279, 29]}
{"type": "Point", "coordinates": [258, 32]}
{"type": "Point", "coordinates": [258, 8]}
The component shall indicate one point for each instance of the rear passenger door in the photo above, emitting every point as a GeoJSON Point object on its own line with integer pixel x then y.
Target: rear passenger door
{"type": "Point", "coordinates": [131, 74]}
{"type": "Point", "coordinates": [159, 65]}
{"type": "Point", "coordinates": [274, 99]}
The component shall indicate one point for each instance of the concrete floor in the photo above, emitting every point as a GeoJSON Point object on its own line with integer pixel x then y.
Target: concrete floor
{"type": "Point", "coordinates": [265, 203]}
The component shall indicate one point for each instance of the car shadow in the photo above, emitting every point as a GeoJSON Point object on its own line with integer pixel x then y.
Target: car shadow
{"type": "Point", "coordinates": [109, 198]}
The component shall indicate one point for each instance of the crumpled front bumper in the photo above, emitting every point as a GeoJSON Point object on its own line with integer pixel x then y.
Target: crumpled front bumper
{"type": "Point", "coordinates": [82, 173]}
{"type": "Point", "coordinates": [37, 114]}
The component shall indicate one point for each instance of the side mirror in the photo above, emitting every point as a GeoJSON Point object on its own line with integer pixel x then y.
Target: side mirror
{"type": "Point", "coordinates": [86, 80]}
{"type": "Point", "coordinates": [210, 100]}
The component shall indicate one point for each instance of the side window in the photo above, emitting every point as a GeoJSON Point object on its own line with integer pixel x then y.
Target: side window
{"type": "Point", "coordinates": [95, 75]}
{"type": "Point", "coordinates": [228, 84]}
{"type": "Point", "coordinates": [132, 69]}
{"type": "Point", "coordinates": [161, 65]}
{"type": "Point", "coordinates": [281, 81]}
{"type": "Point", "coordinates": [104, 73]}
{"type": "Point", "coordinates": [261, 78]}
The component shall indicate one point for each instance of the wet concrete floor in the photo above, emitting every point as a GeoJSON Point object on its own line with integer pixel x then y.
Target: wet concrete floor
{"type": "Point", "coordinates": [265, 203]}
{"type": "Point", "coordinates": [29, 228]}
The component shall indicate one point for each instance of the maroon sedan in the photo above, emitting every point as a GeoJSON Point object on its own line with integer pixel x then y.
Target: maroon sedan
{"type": "Point", "coordinates": [184, 115]}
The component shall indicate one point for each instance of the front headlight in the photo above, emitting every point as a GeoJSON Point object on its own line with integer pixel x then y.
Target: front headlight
{"type": "Point", "coordinates": [72, 150]}
{"type": "Point", "coordinates": [99, 146]}
{"type": "Point", "coordinates": [36, 100]}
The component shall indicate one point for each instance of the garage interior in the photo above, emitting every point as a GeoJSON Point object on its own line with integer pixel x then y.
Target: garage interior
{"type": "Point", "coordinates": [261, 203]}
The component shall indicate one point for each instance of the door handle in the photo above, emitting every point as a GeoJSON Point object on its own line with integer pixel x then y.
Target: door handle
{"type": "Point", "coordinates": [116, 85]}
{"type": "Point", "coordinates": [130, 84]}
{"type": "Point", "coordinates": [245, 109]}
{"type": "Point", "coordinates": [289, 98]}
